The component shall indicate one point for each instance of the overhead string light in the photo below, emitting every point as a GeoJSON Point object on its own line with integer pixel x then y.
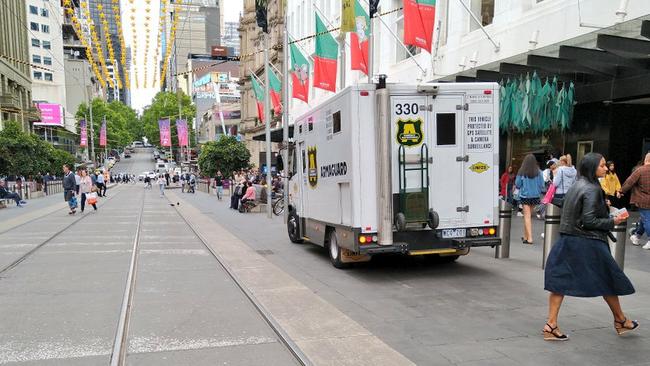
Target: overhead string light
{"type": "Point", "coordinates": [98, 47]}
{"type": "Point", "coordinates": [109, 45]}
{"type": "Point", "coordinates": [146, 41]}
{"type": "Point", "coordinates": [76, 25]}
{"type": "Point", "coordinates": [161, 26]}
{"type": "Point", "coordinates": [172, 37]}
{"type": "Point", "coordinates": [134, 45]}
{"type": "Point", "coordinates": [120, 36]}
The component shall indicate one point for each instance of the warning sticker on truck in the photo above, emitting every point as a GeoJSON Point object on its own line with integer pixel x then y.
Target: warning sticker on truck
{"type": "Point", "coordinates": [479, 167]}
{"type": "Point", "coordinates": [479, 132]}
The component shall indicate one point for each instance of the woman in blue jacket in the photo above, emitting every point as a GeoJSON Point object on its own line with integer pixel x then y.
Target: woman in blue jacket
{"type": "Point", "coordinates": [530, 183]}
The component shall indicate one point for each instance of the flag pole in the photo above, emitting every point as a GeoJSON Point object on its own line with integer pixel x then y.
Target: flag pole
{"type": "Point", "coordinates": [371, 48]}
{"type": "Point", "coordinates": [285, 117]}
{"type": "Point", "coordinates": [267, 117]}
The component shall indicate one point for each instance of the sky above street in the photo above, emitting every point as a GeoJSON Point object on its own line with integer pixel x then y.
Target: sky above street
{"type": "Point", "coordinates": [142, 96]}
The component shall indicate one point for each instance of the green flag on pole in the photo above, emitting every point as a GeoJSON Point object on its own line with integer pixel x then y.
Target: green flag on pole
{"type": "Point", "coordinates": [326, 58]}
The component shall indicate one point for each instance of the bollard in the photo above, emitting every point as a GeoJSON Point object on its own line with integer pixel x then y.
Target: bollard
{"type": "Point", "coordinates": [551, 229]}
{"type": "Point", "coordinates": [618, 248]}
{"type": "Point", "coordinates": [505, 221]}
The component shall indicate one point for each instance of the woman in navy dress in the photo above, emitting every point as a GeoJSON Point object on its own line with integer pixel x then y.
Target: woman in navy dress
{"type": "Point", "coordinates": [580, 263]}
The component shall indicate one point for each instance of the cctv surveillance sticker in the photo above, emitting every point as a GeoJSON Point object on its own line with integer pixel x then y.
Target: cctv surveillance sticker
{"type": "Point", "coordinates": [479, 167]}
{"type": "Point", "coordinates": [312, 170]}
{"type": "Point", "coordinates": [409, 132]}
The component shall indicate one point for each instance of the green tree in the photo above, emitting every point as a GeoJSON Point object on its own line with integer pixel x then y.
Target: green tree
{"type": "Point", "coordinates": [165, 104]}
{"type": "Point", "coordinates": [122, 123]}
{"type": "Point", "coordinates": [27, 154]}
{"type": "Point", "coordinates": [226, 155]}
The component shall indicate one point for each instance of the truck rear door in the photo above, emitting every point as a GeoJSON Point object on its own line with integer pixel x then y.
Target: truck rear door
{"type": "Point", "coordinates": [446, 141]}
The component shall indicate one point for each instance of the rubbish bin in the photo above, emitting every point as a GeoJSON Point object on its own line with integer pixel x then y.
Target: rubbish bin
{"type": "Point", "coordinates": [505, 221]}
{"type": "Point", "coordinates": [617, 248]}
{"type": "Point", "coordinates": [551, 229]}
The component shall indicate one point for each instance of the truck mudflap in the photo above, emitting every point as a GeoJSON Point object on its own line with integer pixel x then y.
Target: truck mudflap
{"type": "Point", "coordinates": [412, 243]}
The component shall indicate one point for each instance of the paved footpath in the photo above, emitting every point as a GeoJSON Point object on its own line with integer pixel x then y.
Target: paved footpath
{"type": "Point", "coordinates": [478, 311]}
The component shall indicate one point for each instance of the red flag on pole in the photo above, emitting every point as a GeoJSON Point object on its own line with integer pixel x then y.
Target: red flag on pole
{"type": "Point", "coordinates": [259, 96]}
{"type": "Point", "coordinates": [275, 89]}
{"type": "Point", "coordinates": [325, 59]}
{"type": "Point", "coordinates": [419, 17]}
{"type": "Point", "coordinates": [165, 133]}
{"type": "Point", "coordinates": [299, 74]}
{"type": "Point", "coordinates": [359, 39]}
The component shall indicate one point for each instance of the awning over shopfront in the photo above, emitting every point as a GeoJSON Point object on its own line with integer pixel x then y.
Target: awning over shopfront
{"type": "Point", "coordinates": [276, 135]}
{"type": "Point", "coordinates": [608, 65]}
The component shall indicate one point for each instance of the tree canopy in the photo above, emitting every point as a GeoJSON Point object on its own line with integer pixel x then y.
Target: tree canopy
{"type": "Point", "coordinates": [27, 154]}
{"type": "Point", "coordinates": [122, 123]}
{"type": "Point", "coordinates": [226, 155]}
{"type": "Point", "coordinates": [165, 104]}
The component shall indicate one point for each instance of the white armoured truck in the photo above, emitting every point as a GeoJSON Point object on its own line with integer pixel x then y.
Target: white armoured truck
{"type": "Point", "coordinates": [396, 168]}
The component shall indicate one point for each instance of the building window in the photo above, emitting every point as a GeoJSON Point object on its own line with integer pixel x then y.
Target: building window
{"type": "Point", "coordinates": [38, 75]}
{"type": "Point", "coordinates": [36, 59]}
{"type": "Point", "coordinates": [47, 45]}
{"type": "Point", "coordinates": [33, 10]}
{"type": "Point", "coordinates": [336, 121]}
{"type": "Point", "coordinates": [33, 26]}
{"type": "Point", "coordinates": [47, 60]}
{"type": "Point", "coordinates": [45, 28]}
{"type": "Point", "coordinates": [48, 76]}
{"type": "Point", "coordinates": [45, 13]}
{"type": "Point", "coordinates": [36, 42]}
{"type": "Point", "coordinates": [484, 11]}
{"type": "Point", "coordinates": [446, 129]}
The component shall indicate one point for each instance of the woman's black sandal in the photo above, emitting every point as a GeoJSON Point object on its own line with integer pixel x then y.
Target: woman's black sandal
{"type": "Point", "coordinates": [623, 329]}
{"type": "Point", "coordinates": [554, 334]}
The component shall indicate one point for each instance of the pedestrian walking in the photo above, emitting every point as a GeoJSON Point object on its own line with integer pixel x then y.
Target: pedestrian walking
{"type": "Point", "coordinates": [580, 263]}
{"type": "Point", "coordinates": [167, 177]}
{"type": "Point", "coordinates": [218, 182]}
{"type": "Point", "coordinates": [5, 194]}
{"type": "Point", "coordinates": [507, 182]}
{"type": "Point", "coordinates": [69, 188]}
{"type": "Point", "coordinates": [86, 191]}
{"type": "Point", "coordinates": [161, 184]}
{"type": "Point", "coordinates": [77, 179]}
{"type": "Point", "coordinates": [100, 185]}
{"type": "Point", "coordinates": [530, 183]}
{"type": "Point", "coordinates": [564, 176]}
{"type": "Point", "coordinates": [611, 185]}
{"type": "Point", "coordinates": [639, 183]}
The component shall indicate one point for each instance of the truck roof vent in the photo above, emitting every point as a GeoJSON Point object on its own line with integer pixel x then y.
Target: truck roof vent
{"type": "Point", "coordinates": [428, 89]}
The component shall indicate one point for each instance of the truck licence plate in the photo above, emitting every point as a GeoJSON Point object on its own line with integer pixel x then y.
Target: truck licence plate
{"type": "Point", "coordinates": [454, 233]}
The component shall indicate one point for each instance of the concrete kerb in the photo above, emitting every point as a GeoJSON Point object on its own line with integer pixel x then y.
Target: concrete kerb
{"type": "Point", "coordinates": [323, 333]}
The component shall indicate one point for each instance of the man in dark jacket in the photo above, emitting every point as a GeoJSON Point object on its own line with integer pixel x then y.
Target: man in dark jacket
{"type": "Point", "coordinates": [4, 193]}
{"type": "Point", "coordinates": [69, 188]}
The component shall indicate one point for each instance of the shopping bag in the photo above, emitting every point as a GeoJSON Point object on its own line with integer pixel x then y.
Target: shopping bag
{"type": "Point", "coordinates": [548, 197]}
{"type": "Point", "coordinates": [91, 198]}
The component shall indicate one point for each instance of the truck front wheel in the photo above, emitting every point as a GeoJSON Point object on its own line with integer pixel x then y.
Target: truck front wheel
{"type": "Point", "coordinates": [293, 228]}
{"type": "Point", "coordinates": [335, 250]}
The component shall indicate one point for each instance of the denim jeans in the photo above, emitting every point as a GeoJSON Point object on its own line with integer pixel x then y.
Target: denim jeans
{"type": "Point", "coordinates": [644, 221]}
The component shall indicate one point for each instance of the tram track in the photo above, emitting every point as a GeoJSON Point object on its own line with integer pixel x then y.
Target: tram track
{"type": "Point", "coordinates": [291, 347]}
{"type": "Point", "coordinates": [22, 258]}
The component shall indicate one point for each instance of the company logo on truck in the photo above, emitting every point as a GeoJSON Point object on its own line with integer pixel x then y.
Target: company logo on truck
{"type": "Point", "coordinates": [479, 167]}
{"type": "Point", "coordinates": [312, 168]}
{"type": "Point", "coordinates": [409, 132]}
{"type": "Point", "coordinates": [334, 170]}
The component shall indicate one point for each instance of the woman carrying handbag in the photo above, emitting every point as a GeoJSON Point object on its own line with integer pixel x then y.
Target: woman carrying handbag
{"type": "Point", "coordinates": [580, 263]}
{"type": "Point", "coordinates": [85, 189]}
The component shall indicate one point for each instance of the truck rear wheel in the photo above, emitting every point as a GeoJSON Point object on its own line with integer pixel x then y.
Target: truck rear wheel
{"type": "Point", "coordinates": [335, 250]}
{"type": "Point", "coordinates": [293, 228]}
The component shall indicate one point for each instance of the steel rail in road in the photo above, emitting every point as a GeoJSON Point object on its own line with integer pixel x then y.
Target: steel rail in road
{"type": "Point", "coordinates": [293, 348]}
{"type": "Point", "coordinates": [39, 246]}
{"type": "Point", "coordinates": [120, 346]}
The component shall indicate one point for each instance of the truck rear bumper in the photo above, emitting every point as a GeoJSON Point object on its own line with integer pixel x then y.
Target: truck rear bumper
{"type": "Point", "coordinates": [430, 246]}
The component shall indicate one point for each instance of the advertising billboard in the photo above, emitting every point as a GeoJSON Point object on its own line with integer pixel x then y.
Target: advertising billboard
{"type": "Point", "coordinates": [51, 114]}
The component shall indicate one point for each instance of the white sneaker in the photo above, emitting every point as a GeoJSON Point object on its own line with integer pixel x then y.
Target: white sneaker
{"type": "Point", "coordinates": [636, 240]}
{"type": "Point", "coordinates": [646, 246]}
